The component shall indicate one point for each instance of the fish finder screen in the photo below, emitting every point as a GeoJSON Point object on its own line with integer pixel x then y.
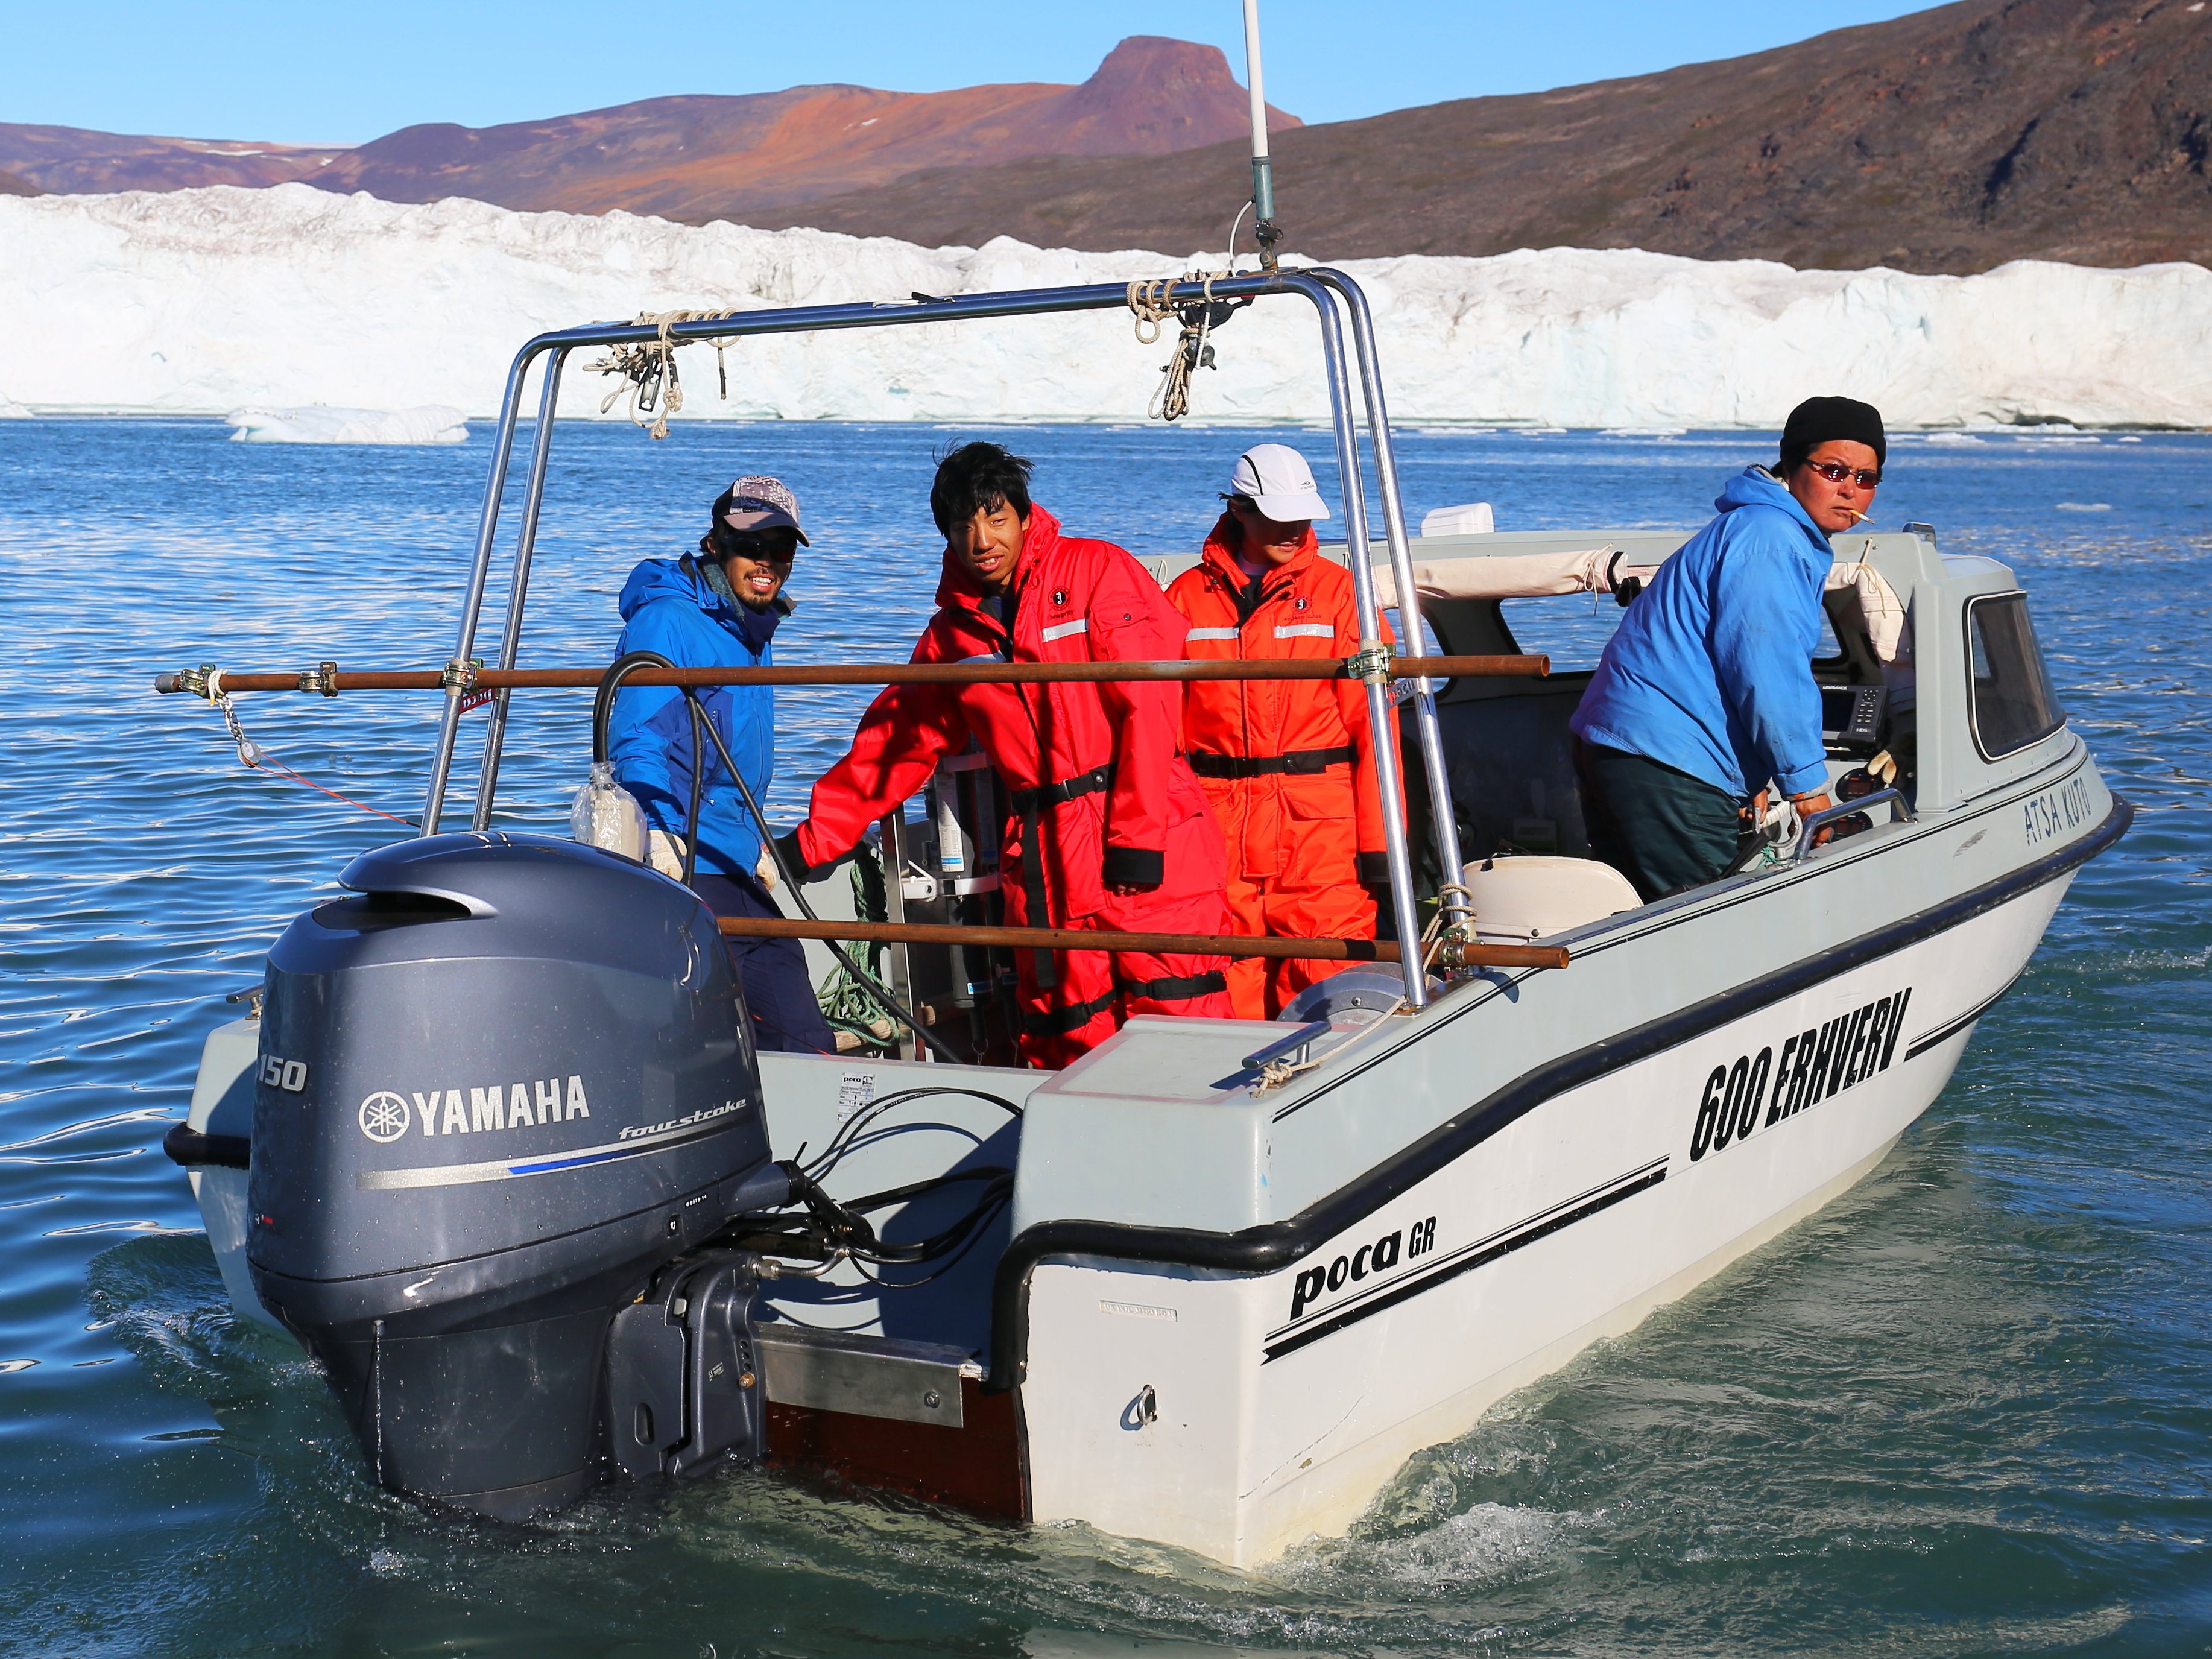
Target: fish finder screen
{"type": "Point", "coordinates": [1851, 718]}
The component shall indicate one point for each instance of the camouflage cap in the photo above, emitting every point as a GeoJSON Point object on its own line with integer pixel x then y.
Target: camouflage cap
{"type": "Point", "coordinates": [755, 503]}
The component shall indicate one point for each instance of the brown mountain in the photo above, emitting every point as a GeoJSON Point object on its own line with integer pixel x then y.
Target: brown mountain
{"type": "Point", "coordinates": [11, 185]}
{"type": "Point", "coordinates": [1949, 140]}
{"type": "Point", "coordinates": [73, 161]}
{"type": "Point", "coordinates": [705, 157]}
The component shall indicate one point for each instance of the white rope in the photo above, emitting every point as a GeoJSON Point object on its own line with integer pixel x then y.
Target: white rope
{"type": "Point", "coordinates": [1432, 936]}
{"type": "Point", "coordinates": [1153, 302]}
{"type": "Point", "coordinates": [654, 389]}
{"type": "Point", "coordinates": [1149, 298]}
{"type": "Point", "coordinates": [1276, 1073]}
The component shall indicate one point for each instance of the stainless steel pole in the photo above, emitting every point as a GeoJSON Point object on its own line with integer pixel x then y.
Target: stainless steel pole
{"type": "Point", "coordinates": [518, 587]}
{"type": "Point", "coordinates": [1386, 777]}
{"type": "Point", "coordinates": [1263, 175]}
{"type": "Point", "coordinates": [502, 447]}
{"type": "Point", "coordinates": [1450, 863]}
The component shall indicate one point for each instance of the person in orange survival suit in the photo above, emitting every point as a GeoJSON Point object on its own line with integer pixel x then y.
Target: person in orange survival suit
{"type": "Point", "coordinates": [1287, 765]}
{"type": "Point", "coordinates": [1107, 829]}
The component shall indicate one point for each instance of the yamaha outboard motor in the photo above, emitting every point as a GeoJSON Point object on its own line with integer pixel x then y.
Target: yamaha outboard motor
{"type": "Point", "coordinates": [504, 1090]}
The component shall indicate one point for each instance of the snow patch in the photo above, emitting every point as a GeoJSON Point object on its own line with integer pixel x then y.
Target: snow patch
{"type": "Point", "coordinates": [431, 423]}
{"type": "Point", "coordinates": [224, 297]}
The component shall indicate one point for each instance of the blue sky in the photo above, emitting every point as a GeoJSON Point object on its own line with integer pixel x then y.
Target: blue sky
{"type": "Point", "coordinates": [246, 69]}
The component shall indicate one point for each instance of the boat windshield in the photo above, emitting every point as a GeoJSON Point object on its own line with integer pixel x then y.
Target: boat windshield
{"type": "Point", "coordinates": [2010, 689]}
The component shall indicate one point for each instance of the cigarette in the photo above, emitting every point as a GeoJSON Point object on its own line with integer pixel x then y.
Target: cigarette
{"type": "Point", "coordinates": [1857, 517]}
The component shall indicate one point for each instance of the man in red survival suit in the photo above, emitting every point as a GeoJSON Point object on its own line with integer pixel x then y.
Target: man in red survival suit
{"type": "Point", "coordinates": [1109, 828]}
{"type": "Point", "coordinates": [1287, 765]}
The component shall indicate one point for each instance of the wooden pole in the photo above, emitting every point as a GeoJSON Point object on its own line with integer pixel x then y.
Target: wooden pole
{"type": "Point", "coordinates": [866, 673]}
{"type": "Point", "coordinates": [1454, 954]}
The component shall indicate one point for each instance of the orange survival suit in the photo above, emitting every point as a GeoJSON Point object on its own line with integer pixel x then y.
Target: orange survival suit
{"type": "Point", "coordinates": [1100, 796]}
{"type": "Point", "coordinates": [1287, 765]}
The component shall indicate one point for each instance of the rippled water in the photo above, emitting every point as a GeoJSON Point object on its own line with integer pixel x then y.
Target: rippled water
{"type": "Point", "coordinates": [1962, 1411]}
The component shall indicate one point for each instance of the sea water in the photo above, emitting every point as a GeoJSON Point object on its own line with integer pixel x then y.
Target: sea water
{"type": "Point", "coordinates": [1963, 1410]}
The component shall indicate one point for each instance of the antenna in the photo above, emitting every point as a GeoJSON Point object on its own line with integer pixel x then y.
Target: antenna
{"type": "Point", "coordinates": [1266, 231]}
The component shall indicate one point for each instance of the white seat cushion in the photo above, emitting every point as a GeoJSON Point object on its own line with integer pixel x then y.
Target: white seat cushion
{"type": "Point", "coordinates": [1534, 895]}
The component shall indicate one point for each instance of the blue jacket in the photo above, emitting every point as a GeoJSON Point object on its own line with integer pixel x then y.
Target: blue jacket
{"type": "Point", "coordinates": [668, 608]}
{"type": "Point", "coordinates": [1710, 671]}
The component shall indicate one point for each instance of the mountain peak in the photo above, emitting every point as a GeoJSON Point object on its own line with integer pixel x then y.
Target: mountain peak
{"type": "Point", "coordinates": [1154, 95]}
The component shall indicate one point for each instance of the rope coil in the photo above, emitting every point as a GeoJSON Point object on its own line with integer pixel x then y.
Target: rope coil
{"type": "Point", "coordinates": [654, 388]}
{"type": "Point", "coordinates": [1151, 302]}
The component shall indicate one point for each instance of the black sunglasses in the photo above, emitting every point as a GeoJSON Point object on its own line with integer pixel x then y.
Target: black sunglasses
{"type": "Point", "coordinates": [760, 549]}
{"type": "Point", "coordinates": [1836, 472]}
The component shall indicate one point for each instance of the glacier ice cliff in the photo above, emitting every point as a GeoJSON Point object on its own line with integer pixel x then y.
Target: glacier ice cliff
{"type": "Point", "coordinates": [209, 301]}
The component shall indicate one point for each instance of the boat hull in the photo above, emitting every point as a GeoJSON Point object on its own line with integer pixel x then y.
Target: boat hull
{"type": "Point", "coordinates": [1534, 1164]}
{"type": "Point", "coordinates": [1238, 1414]}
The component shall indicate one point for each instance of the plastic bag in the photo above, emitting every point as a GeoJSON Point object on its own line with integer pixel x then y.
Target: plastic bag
{"type": "Point", "coordinates": [604, 814]}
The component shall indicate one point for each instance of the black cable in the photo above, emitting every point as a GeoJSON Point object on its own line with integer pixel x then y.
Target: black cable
{"type": "Point", "coordinates": [868, 980]}
{"type": "Point", "coordinates": [936, 1243]}
{"type": "Point", "coordinates": [829, 1225]}
{"type": "Point", "coordinates": [849, 1131]}
{"type": "Point", "coordinates": [602, 718]}
{"type": "Point", "coordinates": [602, 707]}
{"type": "Point", "coordinates": [918, 1188]}
{"type": "Point", "coordinates": [698, 783]}
{"type": "Point", "coordinates": [944, 1268]}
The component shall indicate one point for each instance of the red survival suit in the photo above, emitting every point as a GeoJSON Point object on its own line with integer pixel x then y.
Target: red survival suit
{"type": "Point", "coordinates": [1288, 766]}
{"type": "Point", "coordinates": [1099, 793]}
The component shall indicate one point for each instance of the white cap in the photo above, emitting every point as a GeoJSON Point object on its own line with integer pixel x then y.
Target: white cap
{"type": "Point", "coordinates": [1280, 482]}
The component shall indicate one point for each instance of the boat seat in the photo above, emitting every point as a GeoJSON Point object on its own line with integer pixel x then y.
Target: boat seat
{"type": "Point", "coordinates": [1532, 895]}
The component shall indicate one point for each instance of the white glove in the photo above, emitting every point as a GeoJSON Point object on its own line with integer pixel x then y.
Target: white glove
{"type": "Point", "coordinates": [665, 853]}
{"type": "Point", "coordinates": [766, 869]}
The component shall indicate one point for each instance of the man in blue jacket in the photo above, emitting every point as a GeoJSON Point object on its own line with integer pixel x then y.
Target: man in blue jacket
{"type": "Point", "coordinates": [719, 608]}
{"type": "Point", "coordinates": [1705, 693]}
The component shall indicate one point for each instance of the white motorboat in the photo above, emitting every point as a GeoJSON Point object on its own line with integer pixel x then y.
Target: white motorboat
{"type": "Point", "coordinates": [1222, 1278]}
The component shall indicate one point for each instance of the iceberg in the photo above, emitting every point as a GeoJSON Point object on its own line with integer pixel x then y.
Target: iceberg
{"type": "Point", "coordinates": [13, 412]}
{"type": "Point", "coordinates": [224, 297]}
{"type": "Point", "coordinates": [431, 423]}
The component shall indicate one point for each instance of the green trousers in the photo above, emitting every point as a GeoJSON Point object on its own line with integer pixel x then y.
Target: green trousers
{"type": "Point", "coordinates": [1664, 829]}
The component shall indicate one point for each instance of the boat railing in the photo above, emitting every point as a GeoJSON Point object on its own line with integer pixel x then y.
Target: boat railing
{"type": "Point", "coordinates": [1810, 826]}
{"type": "Point", "coordinates": [1336, 298]}
{"type": "Point", "coordinates": [1447, 949]}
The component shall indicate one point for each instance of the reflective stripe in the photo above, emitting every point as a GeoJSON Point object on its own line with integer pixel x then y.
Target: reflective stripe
{"type": "Point", "coordinates": [1212, 634]}
{"type": "Point", "coordinates": [1305, 631]}
{"type": "Point", "coordinates": [1061, 631]}
{"type": "Point", "coordinates": [463, 1175]}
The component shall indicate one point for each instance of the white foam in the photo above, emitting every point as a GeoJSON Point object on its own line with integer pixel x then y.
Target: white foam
{"type": "Point", "coordinates": [1485, 1546]}
{"type": "Point", "coordinates": [430, 423]}
{"type": "Point", "coordinates": [207, 301]}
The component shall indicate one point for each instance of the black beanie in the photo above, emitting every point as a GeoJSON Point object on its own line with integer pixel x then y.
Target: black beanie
{"type": "Point", "coordinates": [1818, 421]}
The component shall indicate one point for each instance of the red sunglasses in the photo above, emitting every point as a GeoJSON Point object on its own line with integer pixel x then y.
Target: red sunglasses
{"type": "Point", "coordinates": [1836, 472]}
